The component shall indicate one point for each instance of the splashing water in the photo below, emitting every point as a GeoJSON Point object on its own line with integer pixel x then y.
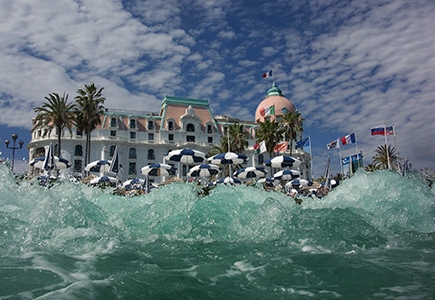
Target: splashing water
{"type": "Point", "coordinates": [372, 237]}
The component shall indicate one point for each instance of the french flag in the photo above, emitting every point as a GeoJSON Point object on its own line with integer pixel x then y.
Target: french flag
{"type": "Point", "coordinates": [348, 139]}
{"type": "Point", "coordinates": [268, 74]}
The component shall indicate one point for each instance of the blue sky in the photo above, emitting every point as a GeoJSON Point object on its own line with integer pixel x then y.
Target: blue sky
{"type": "Point", "coordinates": [346, 65]}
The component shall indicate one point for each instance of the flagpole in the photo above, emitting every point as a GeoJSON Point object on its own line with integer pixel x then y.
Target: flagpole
{"type": "Point", "coordinates": [386, 146]}
{"type": "Point", "coordinates": [339, 149]}
{"type": "Point", "coordinates": [311, 158]}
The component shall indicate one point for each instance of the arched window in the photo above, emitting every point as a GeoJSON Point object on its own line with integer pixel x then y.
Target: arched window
{"type": "Point", "coordinates": [132, 153]}
{"type": "Point", "coordinates": [78, 150]}
{"type": "Point", "coordinates": [132, 124]}
{"type": "Point", "coordinates": [150, 125]}
{"type": "Point", "coordinates": [209, 128]}
{"type": "Point", "coordinates": [190, 127]}
{"type": "Point", "coordinates": [113, 122]}
{"type": "Point", "coordinates": [171, 125]}
{"type": "Point", "coordinates": [151, 154]}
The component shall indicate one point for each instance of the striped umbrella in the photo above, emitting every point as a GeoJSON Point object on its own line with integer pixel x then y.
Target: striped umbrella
{"type": "Point", "coordinates": [104, 179]}
{"type": "Point", "coordinates": [228, 158]}
{"type": "Point", "coordinates": [204, 170]}
{"type": "Point", "coordinates": [282, 161]}
{"type": "Point", "coordinates": [187, 156]}
{"type": "Point", "coordinates": [60, 163]}
{"type": "Point", "coordinates": [101, 165]}
{"type": "Point", "coordinates": [297, 182]}
{"type": "Point", "coordinates": [250, 172]}
{"type": "Point", "coordinates": [286, 174]}
{"type": "Point", "coordinates": [228, 180]}
{"type": "Point", "coordinates": [158, 170]}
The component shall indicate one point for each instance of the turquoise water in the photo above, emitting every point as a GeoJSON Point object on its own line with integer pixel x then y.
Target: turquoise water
{"type": "Point", "coordinates": [373, 237]}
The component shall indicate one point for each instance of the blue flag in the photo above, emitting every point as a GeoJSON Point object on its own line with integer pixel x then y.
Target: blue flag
{"type": "Point", "coordinates": [303, 143]}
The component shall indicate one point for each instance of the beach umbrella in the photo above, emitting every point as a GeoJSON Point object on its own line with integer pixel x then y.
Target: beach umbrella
{"type": "Point", "coordinates": [158, 170]}
{"type": "Point", "coordinates": [60, 163]}
{"type": "Point", "coordinates": [228, 158]}
{"type": "Point", "coordinates": [103, 179]}
{"type": "Point", "coordinates": [187, 156]}
{"type": "Point", "coordinates": [297, 182]}
{"type": "Point", "coordinates": [250, 172]}
{"type": "Point", "coordinates": [133, 182]}
{"type": "Point", "coordinates": [228, 180]}
{"type": "Point", "coordinates": [286, 174]}
{"type": "Point", "coordinates": [204, 170]}
{"type": "Point", "coordinates": [49, 162]}
{"type": "Point", "coordinates": [267, 180]}
{"type": "Point", "coordinates": [282, 161]}
{"type": "Point", "coordinates": [101, 165]}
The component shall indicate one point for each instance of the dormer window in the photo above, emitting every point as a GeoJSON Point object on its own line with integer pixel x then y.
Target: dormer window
{"type": "Point", "coordinates": [132, 124]}
{"type": "Point", "coordinates": [209, 128]}
{"type": "Point", "coordinates": [113, 122]}
{"type": "Point", "coordinates": [150, 125]}
{"type": "Point", "coordinates": [171, 125]}
{"type": "Point", "coordinates": [190, 127]}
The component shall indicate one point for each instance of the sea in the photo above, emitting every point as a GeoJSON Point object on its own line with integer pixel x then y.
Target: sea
{"type": "Point", "coordinates": [372, 237]}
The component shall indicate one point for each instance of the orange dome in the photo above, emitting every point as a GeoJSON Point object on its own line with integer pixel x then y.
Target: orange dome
{"type": "Point", "coordinates": [274, 105]}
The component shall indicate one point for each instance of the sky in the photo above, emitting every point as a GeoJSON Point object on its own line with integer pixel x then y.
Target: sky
{"type": "Point", "coordinates": [346, 65]}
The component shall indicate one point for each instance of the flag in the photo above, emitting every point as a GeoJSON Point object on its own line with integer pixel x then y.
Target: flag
{"type": "Point", "coordinates": [268, 74]}
{"type": "Point", "coordinates": [356, 157]}
{"type": "Point", "coordinates": [333, 145]}
{"type": "Point", "coordinates": [266, 111]}
{"type": "Point", "coordinates": [280, 147]}
{"type": "Point", "coordinates": [382, 130]}
{"type": "Point", "coordinates": [260, 148]}
{"type": "Point", "coordinates": [348, 139]}
{"type": "Point", "coordinates": [303, 143]}
{"type": "Point", "coordinates": [345, 160]}
{"type": "Point", "coordinates": [263, 147]}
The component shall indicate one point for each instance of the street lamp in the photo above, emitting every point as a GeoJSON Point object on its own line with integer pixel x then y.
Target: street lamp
{"type": "Point", "coordinates": [7, 142]}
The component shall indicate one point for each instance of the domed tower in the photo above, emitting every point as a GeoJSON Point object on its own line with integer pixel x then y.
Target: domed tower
{"type": "Point", "coordinates": [273, 106]}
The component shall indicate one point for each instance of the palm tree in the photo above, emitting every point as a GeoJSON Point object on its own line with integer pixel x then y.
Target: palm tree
{"type": "Point", "coordinates": [270, 132]}
{"type": "Point", "coordinates": [238, 138]}
{"type": "Point", "coordinates": [386, 157]}
{"type": "Point", "coordinates": [90, 108]}
{"type": "Point", "coordinates": [292, 123]}
{"type": "Point", "coordinates": [55, 113]}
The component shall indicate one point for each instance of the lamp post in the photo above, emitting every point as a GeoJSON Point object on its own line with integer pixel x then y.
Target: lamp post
{"type": "Point", "coordinates": [7, 142]}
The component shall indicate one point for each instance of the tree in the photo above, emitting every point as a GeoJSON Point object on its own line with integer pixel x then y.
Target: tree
{"type": "Point", "coordinates": [236, 138]}
{"type": "Point", "coordinates": [270, 132]}
{"type": "Point", "coordinates": [56, 113]}
{"type": "Point", "coordinates": [90, 108]}
{"type": "Point", "coordinates": [385, 154]}
{"type": "Point", "coordinates": [292, 122]}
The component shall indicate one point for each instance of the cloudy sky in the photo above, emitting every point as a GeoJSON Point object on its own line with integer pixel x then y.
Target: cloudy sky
{"type": "Point", "coordinates": [346, 65]}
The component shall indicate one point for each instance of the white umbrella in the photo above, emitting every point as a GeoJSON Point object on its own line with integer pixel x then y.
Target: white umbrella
{"type": "Point", "coordinates": [60, 163]}
{"type": "Point", "coordinates": [133, 182]}
{"type": "Point", "coordinates": [286, 174]}
{"type": "Point", "coordinates": [158, 170]}
{"type": "Point", "coordinates": [204, 170]}
{"type": "Point", "coordinates": [250, 172]}
{"type": "Point", "coordinates": [103, 179]}
{"type": "Point", "coordinates": [101, 165]}
{"type": "Point", "coordinates": [49, 162]}
{"type": "Point", "coordinates": [187, 156]}
{"type": "Point", "coordinates": [228, 158]}
{"type": "Point", "coordinates": [230, 180]}
{"type": "Point", "coordinates": [297, 182]}
{"type": "Point", "coordinates": [282, 161]}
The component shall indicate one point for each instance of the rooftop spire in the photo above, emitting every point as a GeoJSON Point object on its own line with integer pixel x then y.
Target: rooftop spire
{"type": "Point", "coordinates": [274, 91]}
